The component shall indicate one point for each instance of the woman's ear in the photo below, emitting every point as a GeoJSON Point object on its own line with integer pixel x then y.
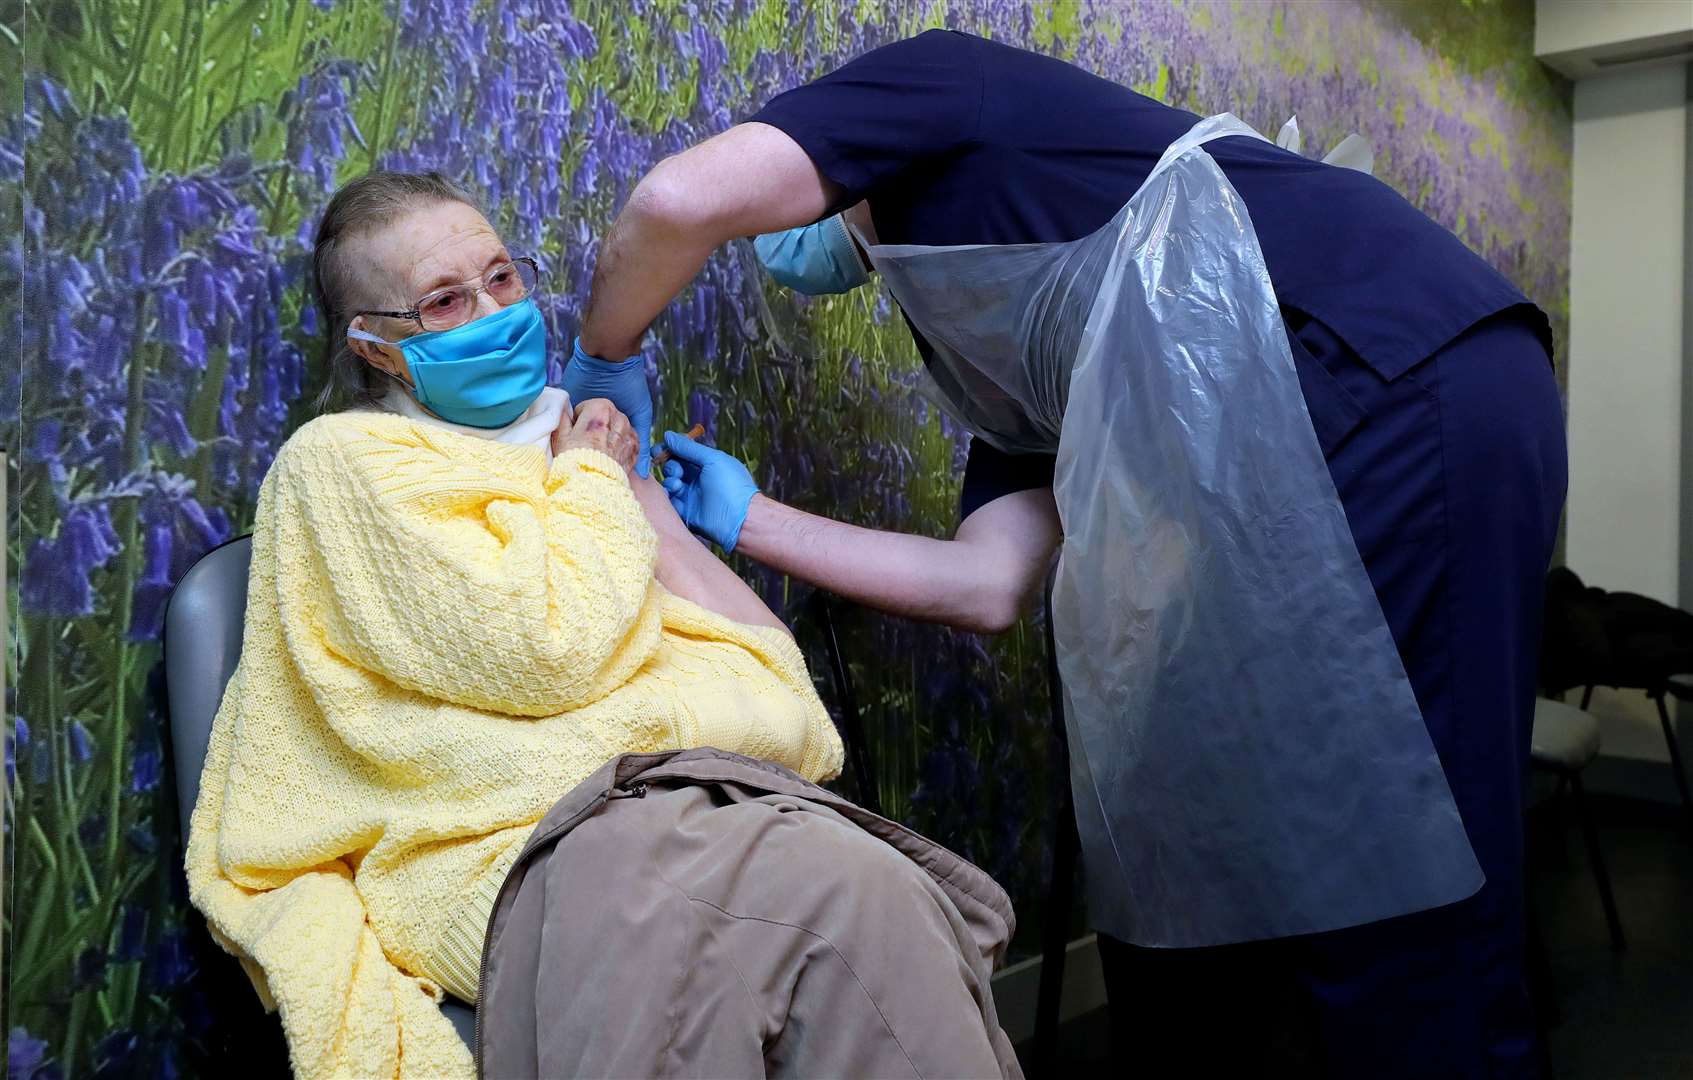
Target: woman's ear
{"type": "Point", "coordinates": [383, 358]}
{"type": "Point", "coordinates": [360, 347]}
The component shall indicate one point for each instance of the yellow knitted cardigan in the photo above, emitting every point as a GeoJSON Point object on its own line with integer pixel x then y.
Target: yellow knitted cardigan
{"type": "Point", "coordinates": [444, 635]}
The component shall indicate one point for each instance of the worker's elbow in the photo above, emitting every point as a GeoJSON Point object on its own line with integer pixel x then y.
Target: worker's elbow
{"type": "Point", "coordinates": [664, 202]}
{"type": "Point", "coordinates": [994, 609]}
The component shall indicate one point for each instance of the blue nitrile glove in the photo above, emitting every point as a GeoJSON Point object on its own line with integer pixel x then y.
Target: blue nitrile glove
{"type": "Point", "coordinates": [710, 490]}
{"type": "Point", "coordinates": [624, 384]}
{"type": "Point", "coordinates": [814, 259]}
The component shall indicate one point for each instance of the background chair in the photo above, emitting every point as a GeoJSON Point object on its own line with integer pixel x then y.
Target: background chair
{"type": "Point", "coordinates": [1565, 741]}
{"type": "Point", "coordinates": [1622, 640]}
{"type": "Point", "coordinates": [1679, 687]}
{"type": "Point", "coordinates": [202, 644]}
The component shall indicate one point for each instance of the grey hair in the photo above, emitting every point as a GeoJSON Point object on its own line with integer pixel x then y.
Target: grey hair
{"type": "Point", "coordinates": [359, 208]}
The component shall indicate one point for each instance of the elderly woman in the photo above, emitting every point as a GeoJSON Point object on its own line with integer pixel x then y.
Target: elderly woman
{"type": "Point", "coordinates": [466, 608]}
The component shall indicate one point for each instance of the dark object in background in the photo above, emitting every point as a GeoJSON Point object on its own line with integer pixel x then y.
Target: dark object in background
{"type": "Point", "coordinates": [1622, 640]}
{"type": "Point", "coordinates": [1574, 648]}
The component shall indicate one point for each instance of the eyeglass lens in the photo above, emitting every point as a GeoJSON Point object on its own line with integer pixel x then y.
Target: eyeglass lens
{"type": "Point", "coordinates": [453, 306]}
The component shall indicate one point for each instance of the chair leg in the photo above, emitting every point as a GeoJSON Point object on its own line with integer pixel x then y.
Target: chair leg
{"type": "Point", "coordinates": [1555, 809]}
{"type": "Point", "coordinates": [1675, 758]}
{"type": "Point", "coordinates": [1600, 873]}
{"type": "Point", "coordinates": [1543, 990]}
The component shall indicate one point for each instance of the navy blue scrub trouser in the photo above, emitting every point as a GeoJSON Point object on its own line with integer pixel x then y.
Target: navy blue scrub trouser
{"type": "Point", "coordinates": [1453, 478]}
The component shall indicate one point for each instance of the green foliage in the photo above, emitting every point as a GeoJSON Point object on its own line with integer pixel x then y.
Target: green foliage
{"type": "Point", "coordinates": [1483, 37]}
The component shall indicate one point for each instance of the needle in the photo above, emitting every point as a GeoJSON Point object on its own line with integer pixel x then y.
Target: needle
{"type": "Point", "coordinates": [661, 455]}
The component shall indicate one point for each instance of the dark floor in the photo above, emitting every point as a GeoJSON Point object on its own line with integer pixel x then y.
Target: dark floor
{"type": "Point", "coordinates": [1616, 1016]}
{"type": "Point", "coordinates": [1628, 1014]}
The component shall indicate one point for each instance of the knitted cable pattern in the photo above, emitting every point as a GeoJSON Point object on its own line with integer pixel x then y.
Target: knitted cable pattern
{"type": "Point", "coordinates": [444, 634]}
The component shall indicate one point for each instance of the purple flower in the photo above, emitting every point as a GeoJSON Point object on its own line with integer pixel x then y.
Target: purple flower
{"type": "Point", "coordinates": [11, 162]}
{"type": "Point", "coordinates": [132, 934]}
{"type": "Point", "coordinates": [172, 962]}
{"type": "Point", "coordinates": [702, 410]}
{"type": "Point", "coordinates": [55, 95]}
{"type": "Point", "coordinates": [153, 590]}
{"type": "Point", "coordinates": [56, 574]}
{"type": "Point", "coordinates": [24, 1054]}
{"type": "Point", "coordinates": [82, 744]}
{"type": "Point", "coordinates": [17, 743]}
{"type": "Point", "coordinates": [322, 114]}
{"type": "Point", "coordinates": [176, 530]}
{"type": "Point", "coordinates": [144, 770]}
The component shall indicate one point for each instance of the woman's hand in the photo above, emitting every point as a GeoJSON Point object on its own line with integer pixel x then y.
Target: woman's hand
{"type": "Point", "coordinates": [624, 384]}
{"type": "Point", "coordinates": [598, 425]}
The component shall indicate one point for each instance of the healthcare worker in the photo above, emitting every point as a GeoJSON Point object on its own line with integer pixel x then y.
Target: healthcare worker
{"type": "Point", "coordinates": [1304, 455]}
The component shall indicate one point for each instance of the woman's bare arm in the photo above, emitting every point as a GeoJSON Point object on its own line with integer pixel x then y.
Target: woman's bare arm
{"type": "Point", "coordinates": [689, 569]}
{"type": "Point", "coordinates": [685, 566]}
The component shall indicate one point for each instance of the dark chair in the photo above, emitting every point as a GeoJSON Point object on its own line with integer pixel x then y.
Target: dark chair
{"type": "Point", "coordinates": [1679, 687]}
{"type": "Point", "coordinates": [1565, 741]}
{"type": "Point", "coordinates": [202, 643]}
{"type": "Point", "coordinates": [1622, 640]}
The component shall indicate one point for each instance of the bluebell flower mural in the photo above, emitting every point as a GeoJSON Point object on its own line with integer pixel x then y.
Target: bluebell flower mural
{"type": "Point", "coordinates": [161, 174]}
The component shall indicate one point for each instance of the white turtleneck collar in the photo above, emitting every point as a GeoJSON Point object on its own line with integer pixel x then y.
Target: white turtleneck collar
{"type": "Point", "coordinates": [535, 427]}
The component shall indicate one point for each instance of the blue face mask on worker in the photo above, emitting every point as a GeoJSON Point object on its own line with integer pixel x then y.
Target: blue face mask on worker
{"type": "Point", "coordinates": [483, 374]}
{"type": "Point", "coordinates": [814, 259]}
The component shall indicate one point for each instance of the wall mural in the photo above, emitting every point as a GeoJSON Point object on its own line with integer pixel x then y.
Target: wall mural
{"type": "Point", "coordinates": [164, 164]}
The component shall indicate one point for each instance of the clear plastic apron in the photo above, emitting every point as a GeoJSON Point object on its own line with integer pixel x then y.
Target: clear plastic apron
{"type": "Point", "coordinates": [1247, 756]}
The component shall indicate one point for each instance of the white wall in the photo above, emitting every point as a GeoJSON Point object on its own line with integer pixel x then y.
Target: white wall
{"type": "Point", "coordinates": [1568, 25]}
{"type": "Point", "coordinates": [1573, 35]}
{"type": "Point", "coordinates": [1627, 298]}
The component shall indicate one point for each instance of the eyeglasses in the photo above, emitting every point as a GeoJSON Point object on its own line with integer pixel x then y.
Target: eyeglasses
{"type": "Point", "coordinates": [451, 307]}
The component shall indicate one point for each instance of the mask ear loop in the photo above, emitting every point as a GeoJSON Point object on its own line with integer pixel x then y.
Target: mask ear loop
{"type": "Point", "coordinates": [363, 335]}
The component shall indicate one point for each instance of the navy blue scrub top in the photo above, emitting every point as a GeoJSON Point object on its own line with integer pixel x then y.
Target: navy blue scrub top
{"type": "Point", "coordinates": [955, 139]}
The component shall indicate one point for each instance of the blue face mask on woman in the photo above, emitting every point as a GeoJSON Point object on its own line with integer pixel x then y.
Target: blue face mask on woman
{"type": "Point", "coordinates": [482, 374]}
